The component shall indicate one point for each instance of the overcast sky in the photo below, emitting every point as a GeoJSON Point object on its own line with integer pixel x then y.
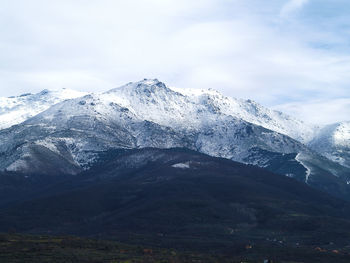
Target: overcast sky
{"type": "Point", "coordinates": [290, 55]}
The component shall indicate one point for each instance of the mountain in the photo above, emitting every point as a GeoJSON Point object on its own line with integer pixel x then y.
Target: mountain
{"type": "Point", "coordinates": [71, 136]}
{"type": "Point", "coordinates": [14, 110]}
{"type": "Point", "coordinates": [144, 114]}
{"type": "Point", "coordinates": [177, 197]}
{"type": "Point", "coordinates": [253, 112]}
{"type": "Point", "coordinates": [333, 141]}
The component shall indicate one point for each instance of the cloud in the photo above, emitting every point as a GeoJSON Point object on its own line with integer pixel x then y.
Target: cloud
{"type": "Point", "coordinates": [242, 48]}
{"type": "Point", "coordinates": [292, 6]}
{"type": "Point", "coordinates": [319, 111]}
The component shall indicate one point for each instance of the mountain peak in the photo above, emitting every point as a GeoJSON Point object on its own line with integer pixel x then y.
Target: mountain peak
{"type": "Point", "coordinates": [44, 92]}
{"type": "Point", "coordinates": [150, 82]}
{"type": "Point", "coordinates": [150, 85]}
{"type": "Point", "coordinates": [147, 86]}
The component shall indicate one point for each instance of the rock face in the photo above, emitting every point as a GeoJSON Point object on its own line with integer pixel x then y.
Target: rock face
{"type": "Point", "coordinates": [73, 133]}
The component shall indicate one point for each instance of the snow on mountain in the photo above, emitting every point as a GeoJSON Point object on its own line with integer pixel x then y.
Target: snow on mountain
{"type": "Point", "coordinates": [78, 129]}
{"type": "Point", "coordinates": [333, 141]}
{"type": "Point", "coordinates": [74, 132]}
{"type": "Point", "coordinates": [308, 170]}
{"type": "Point", "coordinates": [253, 112]}
{"type": "Point", "coordinates": [183, 107]}
{"type": "Point", "coordinates": [342, 135]}
{"type": "Point", "coordinates": [142, 114]}
{"type": "Point", "coordinates": [14, 110]}
{"type": "Point", "coordinates": [167, 106]}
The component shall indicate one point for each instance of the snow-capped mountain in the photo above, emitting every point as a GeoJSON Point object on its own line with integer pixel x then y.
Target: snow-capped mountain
{"type": "Point", "coordinates": [71, 134]}
{"type": "Point", "coordinates": [333, 141]}
{"type": "Point", "coordinates": [253, 112]}
{"type": "Point", "coordinates": [143, 114]}
{"type": "Point", "coordinates": [14, 110]}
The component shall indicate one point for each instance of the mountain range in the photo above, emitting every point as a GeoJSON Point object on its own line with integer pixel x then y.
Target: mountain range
{"type": "Point", "coordinates": [67, 132]}
{"type": "Point", "coordinates": [148, 164]}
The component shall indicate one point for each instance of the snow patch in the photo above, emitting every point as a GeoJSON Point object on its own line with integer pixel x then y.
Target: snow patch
{"type": "Point", "coordinates": [342, 134]}
{"type": "Point", "coordinates": [308, 170]}
{"type": "Point", "coordinates": [18, 165]}
{"type": "Point", "coordinates": [49, 145]}
{"type": "Point", "coordinates": [185, 165]}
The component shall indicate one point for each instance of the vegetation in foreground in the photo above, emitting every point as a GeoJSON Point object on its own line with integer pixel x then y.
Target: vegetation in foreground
{"type": "Point", "coordinates": [26, 248]}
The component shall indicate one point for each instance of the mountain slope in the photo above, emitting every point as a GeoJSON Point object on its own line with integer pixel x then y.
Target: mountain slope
{"type": "Point", "coordinates": [14, 110]}
{"type": "Point", "coordinates": [180, 197]}
{"type": "Point", "coordinates": [253, 112]}
{"type": "Point", "coordinates": [333, 141]}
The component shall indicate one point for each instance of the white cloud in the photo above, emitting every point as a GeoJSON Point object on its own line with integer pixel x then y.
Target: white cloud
{"type": "Point", "coordinates": [232, 46]}
{"type": "Point", "coordinates": [292, 6]}
{"type": "Point", "coordinates": [319, 111]}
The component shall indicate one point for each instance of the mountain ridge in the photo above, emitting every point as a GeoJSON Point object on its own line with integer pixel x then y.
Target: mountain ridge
{"type": "Point", "coordinates": [150, 114]}
{"type": "Point", "coordinates": [16, 109]}
{"type": "Point", "coordinates": [238, 108]}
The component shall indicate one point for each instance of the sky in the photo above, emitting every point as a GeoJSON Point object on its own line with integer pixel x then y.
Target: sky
{"type": "Point", "coordinates": [290, 55]}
